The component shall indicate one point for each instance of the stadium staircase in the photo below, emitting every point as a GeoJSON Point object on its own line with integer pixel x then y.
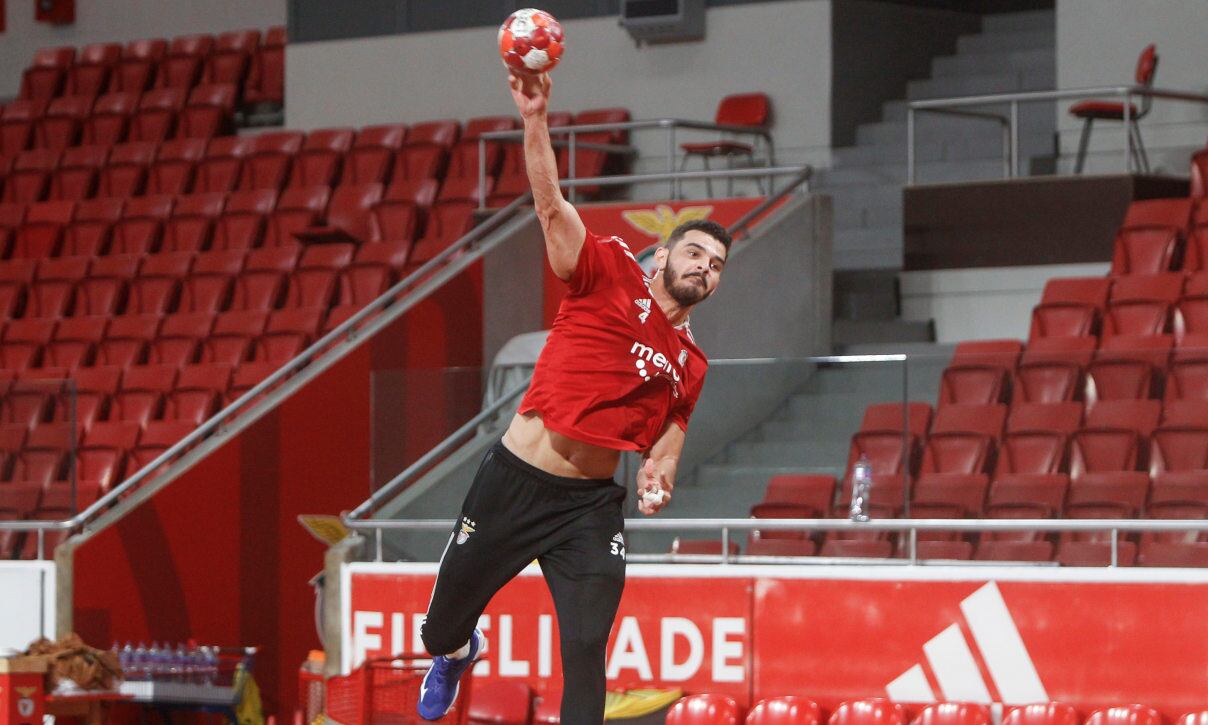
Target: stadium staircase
{"type": "Point", "coordinates": [1014, 52]}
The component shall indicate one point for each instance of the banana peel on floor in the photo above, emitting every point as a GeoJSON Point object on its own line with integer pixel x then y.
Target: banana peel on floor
{"type": "Point", "coordinates": [636, 703]}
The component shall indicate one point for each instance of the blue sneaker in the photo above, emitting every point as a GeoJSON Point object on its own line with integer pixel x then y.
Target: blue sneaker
{"type": "Point", "coordinates": [438, 691]}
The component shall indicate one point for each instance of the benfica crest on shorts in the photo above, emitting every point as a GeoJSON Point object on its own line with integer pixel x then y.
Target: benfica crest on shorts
{"type": "Point", "coordinates": [467, 528]}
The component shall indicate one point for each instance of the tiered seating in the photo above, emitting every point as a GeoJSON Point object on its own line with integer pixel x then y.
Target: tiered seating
{"type": "Point", "coordinates": [213, 74]}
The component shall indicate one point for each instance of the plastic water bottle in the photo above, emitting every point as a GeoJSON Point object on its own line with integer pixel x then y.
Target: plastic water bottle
{"type": "Point", "coordinates": [861, 487]}
{"type": "Point", "coordinates": [126, 658]}
{"type": "Point", "coordinates": [139, 663]}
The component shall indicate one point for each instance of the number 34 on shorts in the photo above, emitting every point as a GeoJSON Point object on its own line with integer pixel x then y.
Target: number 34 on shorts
{"type": "Point", "coordinates": [618, 545]}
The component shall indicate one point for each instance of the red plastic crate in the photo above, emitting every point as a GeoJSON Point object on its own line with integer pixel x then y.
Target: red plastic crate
{"type": "Point", "coordinates": [384, 691]}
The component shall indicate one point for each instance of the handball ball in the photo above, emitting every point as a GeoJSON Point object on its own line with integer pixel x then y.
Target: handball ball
{"type": "Point", "coordinates": [531, 41]}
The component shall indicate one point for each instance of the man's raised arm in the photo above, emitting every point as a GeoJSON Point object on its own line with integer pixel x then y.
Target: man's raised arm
{"type": "Point", "coordinates": [564, 230]}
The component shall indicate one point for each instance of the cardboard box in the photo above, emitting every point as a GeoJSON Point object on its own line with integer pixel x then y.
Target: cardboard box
{"type": "Point", "coordinates": [35, 664]}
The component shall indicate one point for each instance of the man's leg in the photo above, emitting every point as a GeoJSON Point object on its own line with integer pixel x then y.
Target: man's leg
{"type": "Point", "coordinates": [492, 541]}
{"type": "Point", "coordinates": [586, 574]}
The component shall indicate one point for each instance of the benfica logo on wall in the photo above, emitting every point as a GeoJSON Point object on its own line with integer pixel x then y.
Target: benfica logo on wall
{"type": "Point", "coordinates": [660, 221]}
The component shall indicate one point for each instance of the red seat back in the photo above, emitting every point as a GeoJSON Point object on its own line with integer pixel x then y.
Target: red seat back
{"type": "Point", "coordinates": [704, 710]}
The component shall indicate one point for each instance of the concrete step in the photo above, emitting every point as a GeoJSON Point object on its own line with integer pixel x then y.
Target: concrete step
{"type": "Point", "coordinates": [802, 454]}
{"type": "Point", "coordinates": [945, 148]}
{"type": "Point", "coordinates": [855, 332]}
{"type": "Point", "coordinates": [895, 111]}
{"type": "Point", "coordinates": [974, 64]}
{"type": "Point", "coordinates": [934, 171]}
{"type": "Point", "coordinates": [868, 381]}
{"type": "Point", "coordinates": [997, 82]}
{"type": "Point", "coordinates": [1008, 22]}
{"type": "Point", "coordinates": [868, 248]}
{"type": "Point", "coordinates": [866, 295]}
{"type": "Point", "coordinates": [1008, 41]}
{"type": "Point", "coordinates": [734, 477]}
{"type": "Point", "coordinates": [1033, 119]}
{"type": "Point", "coordinates": [827, 429]}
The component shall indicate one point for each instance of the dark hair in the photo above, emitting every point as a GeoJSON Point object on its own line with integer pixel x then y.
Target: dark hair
{"type": "Point", "coordinates": [711, 228]}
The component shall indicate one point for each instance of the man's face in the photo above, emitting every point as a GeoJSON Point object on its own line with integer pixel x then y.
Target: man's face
{"type": "Point", "coordinates": [693, 268]}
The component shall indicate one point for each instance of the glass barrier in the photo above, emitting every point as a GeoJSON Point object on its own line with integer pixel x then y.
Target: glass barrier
{"type": "Point", "coordinates": [1062, 432]}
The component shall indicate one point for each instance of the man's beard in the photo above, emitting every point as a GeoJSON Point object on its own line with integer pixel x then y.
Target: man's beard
{"type": "Point", "coordinates": [686, 291]}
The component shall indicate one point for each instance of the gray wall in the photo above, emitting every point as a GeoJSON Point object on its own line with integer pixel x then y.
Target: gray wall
{"type": "Point", "coordinates": [877, 48]}
{"type": "Point", "coordinates": [457, 74]}
{"type": "Point", "coordinates": [122, 20]}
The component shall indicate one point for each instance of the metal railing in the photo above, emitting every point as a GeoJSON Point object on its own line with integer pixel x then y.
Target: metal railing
{"type": "Point", "coordinates": [910, 527]}
{"type": "Point", "coordinates": [668, 125]}
{"type": "Point", "coordinates": [961, 106]}
{"type": "Point", "coordinates": [250, 406]}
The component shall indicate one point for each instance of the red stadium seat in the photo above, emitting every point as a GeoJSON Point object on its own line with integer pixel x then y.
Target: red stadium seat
{"type": "Point", "coordinates": [242, 224]}
{"type": "Point", "coordinates": [1027, 551]}
{"type": "Point", "coordinates": [1141, 304]}
{"type": "Point", "coordinates": [60, 126]}
{"type": "Point", "coordinates": [953, 713]}
{"type": "Point", "coordinates": [125, 174]}
{"type": "Point", "coordinates": [1146, 250]}
{"type": "Point", "coordinates": [155, 119]}
{"type": "Point", "coordinates": [1128, 368]}
{"type": "Point", "coordinates": [157, 437]}
{"type": "Point", "coordinates": [948, 495]}
{"type": "Point", "coordinates": [268, 165]}
{"type": "Point", "coordinates": [502, 703]}
{"type": "Point", "coordinates": [1195, 254]}
{"type": "Point", "coordinates": [76, 176]}
{"type": "Point", "coordinates": [223, 164]}
{"type": "Point", "coordinates": [231, 57]}
{"type": "Point", "coordinates": [198, 393]}
{"type": "Point", "coordinates": [181, 67]}
{"type": "Point", "coordinates": [1070, 307]}
{"type": "Point", "coordinates": [372, 154]}
{"type": "Point", "coordinates": [103, 291]}
{"type": "Point", "coordinates": [980, 372]}
{"type": "Point", "coordinates": [589, 163]}
{"type": "Point", "coordinates": [1091, 109]}
{"type": "Point", "coordinates": [1167, 554]}
{"type": "Point", "coordinates": [175, 166]}
{"type": "Point", "coordinates": [103, 453]}
{"type": "Point", "coordinates": [208, 287]}
{"type": "Point", "coordinates": [781, 547]}
{"type": "Point", "coordinates": [208, 112]}
{"type": "Point", "coordinates": [442, 133]}
{"type": "Point", "coordinates": [50, 295]}
{"type": "Point", "coordinates": [155, 289]}
{"type": "Point", "coordinates": [29, 179]}
{"type": "Point", "coordinates": [192, 222]}
{"type": "Point", "coordinates": [297, 209]}
{"type": "Point", "coordinates": [45, 76]}
{"type": "Point", "coordinates": [41, 235]}
{"type": "Point", "coordinates": [287, 334]}
{"type": "Point", "coordinates": [418, 162]}
{"type": "Point", "coordinates": [266, 77]}
{"type": "Point", "coordinates": [350, 213]}
{"type": "Point", "coordinates": [1191, 311]}
{"type": "Point", "coordinates": [373, 271]}
{"type": "Point", "coordinates": [136, 70]}
{"type": "Point", "coordinates": [179, 337]}
{"type": "Point", "coordinates": [704, 710]}
{"type": "Point", "coordinates": [110, 119]}
{"type": "Point", "coordinates": [447, 222]}
{"type": "Point", "coordinates": [914, 417]}
{"type": "Point", "coordinates": [321, 158]}
{"type": "Point", "coordinates": [1094, 553]}
{"type": "Point", "coordinates": [745, 109]}
{"type": "Point", "coordinates": [1125, 715]}
{"type": "Point", "coordinates": [17, 125]}
{"type": "Point", "coordinates": [262, 283]}
{"type": "Point", "coordinates": [126, 340]}
{"type": "Point", "coordinates": [1051, 369]}
{"type": "Point", "coordinates": [463, 161]}
{"type": "Point", "coordinates": [141, 226]}
{"type": "Point", "coordinates": [857, 548]}
{"type": "Point", "coordinates": [247, 376]}
{"type": "Point", "coordinates": [788, 710]}
{"type": "Point", "coordinates": [89, 75]}
{"type": "Point", "coordinates": [1172, 212]}
{"type": "Point", "coordinates": [75, 342]}
{"type": "Point", "coordinates": [230, 342]}
{"type": "Point", "coordinates": [1106, 495]}
{"type": "Point", "coordinates": [813, 491]}
{"type": "Point", "coordinates": [873, 711]}
{"type": "Point", "coordinates": [140, 397]}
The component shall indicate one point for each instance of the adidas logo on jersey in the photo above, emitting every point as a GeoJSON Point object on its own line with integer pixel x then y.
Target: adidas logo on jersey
{"type": "Point", "coordinates": [618, 537]}
{"type": "Point", "coordinates": [644, 306]}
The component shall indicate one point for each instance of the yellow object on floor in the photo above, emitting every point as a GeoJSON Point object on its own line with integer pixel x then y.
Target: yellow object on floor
{"type": "Point", "coordinates": [636, 703]}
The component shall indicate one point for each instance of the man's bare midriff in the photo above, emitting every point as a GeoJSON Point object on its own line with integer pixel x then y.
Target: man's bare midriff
{"type": "Point", "coordinates": [554, 453]}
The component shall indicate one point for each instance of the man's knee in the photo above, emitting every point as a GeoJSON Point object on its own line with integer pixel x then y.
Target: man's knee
{"type": "Point", "coordinates": [441, 641]}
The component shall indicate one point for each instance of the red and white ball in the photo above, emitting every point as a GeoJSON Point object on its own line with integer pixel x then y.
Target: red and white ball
{"type": "Point", "coordinates": [531, 41]}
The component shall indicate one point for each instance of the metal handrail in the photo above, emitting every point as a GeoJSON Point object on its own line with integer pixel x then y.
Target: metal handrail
{"type": "Point", "coordinates": [669, 124]}
{"type": "Point", "coordinates": [304, 359]}
{"type": "Point", "coordinates": [956, 105]}
{"type": "Point", "coordinates": [909, 526]}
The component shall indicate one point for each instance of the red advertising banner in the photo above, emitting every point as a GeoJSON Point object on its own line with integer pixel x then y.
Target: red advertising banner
{"type": "Point", "coordinates": [1005, 635]}
{"type": "Point", "coordinates": [642, 224]}
{"type": "Point", "coordinates": [666, 633]}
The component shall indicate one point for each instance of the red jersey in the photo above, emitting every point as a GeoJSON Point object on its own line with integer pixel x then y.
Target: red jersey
{"type": "Point", "coordinates": [614, 370]}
